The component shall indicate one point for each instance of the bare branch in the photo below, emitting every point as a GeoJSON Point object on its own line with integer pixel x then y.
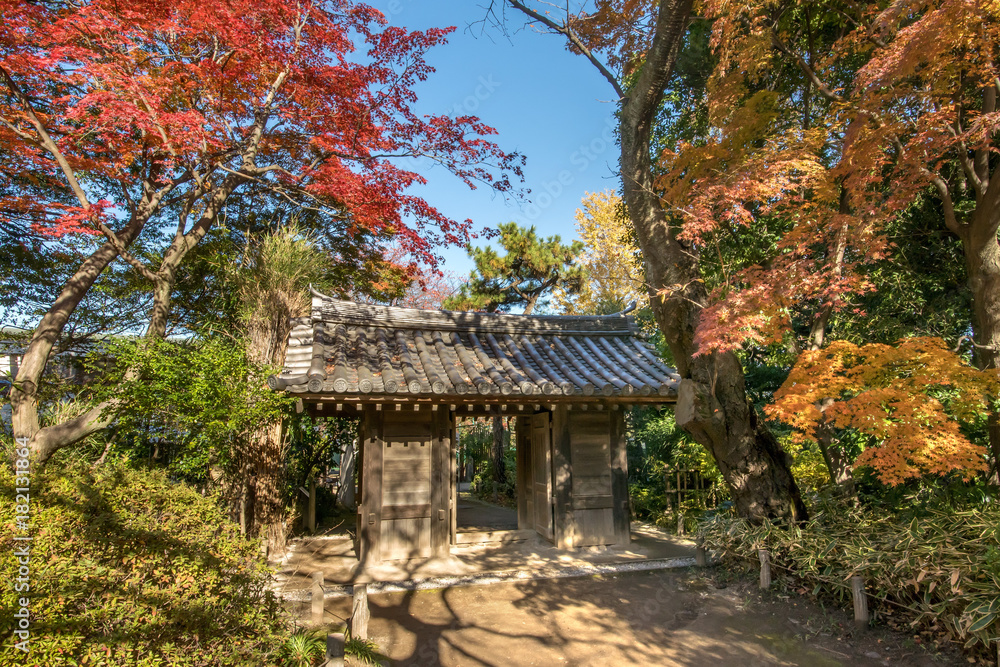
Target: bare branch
{"type": "Point", "coordinates": [574, 39]}
{"type": "Point", "coordinates": [806, 69]}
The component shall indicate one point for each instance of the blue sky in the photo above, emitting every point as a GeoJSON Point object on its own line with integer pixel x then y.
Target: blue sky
{"type": "Point", "coordinates": [546, 103]}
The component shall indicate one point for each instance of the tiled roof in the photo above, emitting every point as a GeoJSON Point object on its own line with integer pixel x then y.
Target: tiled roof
{"type": "Point", "coordinates": [352, 350]}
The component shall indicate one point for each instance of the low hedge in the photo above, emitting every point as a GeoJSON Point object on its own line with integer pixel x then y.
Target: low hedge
{"type": "Point", "coordinates": [939, 571]}
{"type": "Point", "coordinates": [131, 568]}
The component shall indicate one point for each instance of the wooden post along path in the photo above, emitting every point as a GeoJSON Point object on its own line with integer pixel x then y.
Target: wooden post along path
{"type": "Point", "coordinates": [318, 598]}
{"type": "Point", "coordinates": [860, 602]}
{"type": "Point", "coordinates": [700, 555]}
{"type": "Point", "coordinates": [765, 568]}
{"type": "Point", "coordinates": [334, 650]}
{"type": "Point", "coordinates": [361, 613]}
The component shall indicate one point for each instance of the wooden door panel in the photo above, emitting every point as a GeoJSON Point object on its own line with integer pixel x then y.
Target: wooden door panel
{"type": "Point", "coordinates": [592, 497]}
{"type": "Point", "coordinates": [541, 469]}
{"type": "Point", "coordinates": [406, 490]}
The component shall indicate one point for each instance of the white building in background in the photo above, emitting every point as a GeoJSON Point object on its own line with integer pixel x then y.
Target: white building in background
{"type": "Point", "coordinates": [11, 353]}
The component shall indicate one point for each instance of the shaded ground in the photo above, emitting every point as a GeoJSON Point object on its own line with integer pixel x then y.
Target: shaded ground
{"type": "Point", "coordinates": [474, 514]}
{"type": "Point", "coordinates": [676, 617]}
{"type": "Point", "coordinates": [334, 557]}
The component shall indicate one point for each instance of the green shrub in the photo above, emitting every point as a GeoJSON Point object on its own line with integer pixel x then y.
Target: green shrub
{"type": "Point", "coordinates": [938, 569]}
{"type": "Point", "coordinates": [130, 568]}
{"type": "Point", "coordinates": [303, 648]}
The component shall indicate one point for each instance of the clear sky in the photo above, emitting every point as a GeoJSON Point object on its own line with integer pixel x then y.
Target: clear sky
{"type": "Point", "coordinates": [546, 103]}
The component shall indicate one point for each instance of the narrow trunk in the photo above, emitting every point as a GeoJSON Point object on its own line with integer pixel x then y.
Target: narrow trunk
{"type": "Point", "coordinates": [837, 463]}
{"type": "Point", "coordinates": [345, 489]}
{"type": "Point", "coordinates": [497, 453]}
{"type": "Point", "coordinates": [712, 405]}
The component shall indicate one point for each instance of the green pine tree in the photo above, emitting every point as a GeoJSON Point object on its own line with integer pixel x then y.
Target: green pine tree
{"type": "Point", "coordinates": [528, 271]}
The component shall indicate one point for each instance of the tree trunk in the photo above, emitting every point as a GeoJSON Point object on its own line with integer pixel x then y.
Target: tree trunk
{"type": "Point", "coordinates": [982, 254]}
{"type": "Point", "coordinates": [345, 490]}
{"type": "Point", "coordinates": [497, 454]}
{"type": "Point", "coordinates": [45, 442]}
{"type": "Point", "coordinates": [712, 405]}
{"type": "Point", "coordinates": [269, 516]}
{"type": "Point", "coordinates": [24, 394]}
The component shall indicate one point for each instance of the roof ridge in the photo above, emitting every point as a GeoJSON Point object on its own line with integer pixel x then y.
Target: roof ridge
{"type": "Point", "coordinates": [329, 309]}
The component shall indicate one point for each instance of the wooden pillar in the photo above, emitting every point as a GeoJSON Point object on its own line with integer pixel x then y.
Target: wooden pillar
{"type": "Point", "coordinates": [523, 444]}
{"type": "Point", "coordinates": [860, 602]}
{"type": "Point", "coordinates": [562, 478]}
{"type": "Point", "coordinates": [765, 568]}
{"type": "Point", "coordinates": [440, 482]}
{"type": "Point", "coordinates": [318, 598]}
{"type": "Point", "coordinates": [371, 497]}
{"type": "Point", "coordinates": [334, 650]}
{"type": "Point", "coordinates": [453, 496]}
{"type": "Point", "coordinates": [619, 479]}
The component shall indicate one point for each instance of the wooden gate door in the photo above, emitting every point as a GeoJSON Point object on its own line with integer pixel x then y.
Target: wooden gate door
{"type": "Point", "coordinates": [406, 487]}
{"type": "Point", "coordinates": [541, 474]}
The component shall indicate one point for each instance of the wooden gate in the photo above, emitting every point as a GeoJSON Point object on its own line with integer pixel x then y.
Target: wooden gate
{"type": "Point", "coordinates": [405, 489]}
{"type": "Point", "coordinates": [541, 475]}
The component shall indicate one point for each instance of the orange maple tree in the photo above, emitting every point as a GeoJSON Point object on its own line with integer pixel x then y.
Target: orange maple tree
{"type": "Point", "coordinates": [826, 123]}
{"type": "Point", "coordinates": [874, 390]}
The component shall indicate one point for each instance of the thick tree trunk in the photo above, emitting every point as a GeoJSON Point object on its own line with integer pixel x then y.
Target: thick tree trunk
{"type": "Point", "coordinates": [982, 254]}
{"type": "Point", "coordinates": [712, 405]}
{"type": "Point", "coordinates": [269, 515]}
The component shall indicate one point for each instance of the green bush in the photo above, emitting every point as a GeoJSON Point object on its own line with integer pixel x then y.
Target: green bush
{"type": "Point", "coordinates": [130, 568]}
{"type": "Point", "coordinates": [303, 648]}
{"type": "Point", "coordinates": [937, 569]}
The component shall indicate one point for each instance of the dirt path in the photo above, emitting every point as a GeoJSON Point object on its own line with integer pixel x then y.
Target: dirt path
{"type": "Point", "coordinates": [676, 617]}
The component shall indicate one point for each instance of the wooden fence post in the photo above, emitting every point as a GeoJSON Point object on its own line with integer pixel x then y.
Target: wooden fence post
{"type": "Point", "coordinates": [860, 602]}
{"type": "Point", "coordinates": [318, 598]}
{"type": "Point", "coordinates": [334, 650]}
{"type": "Point", "coordinates": [765, 568]}
{"type": "Point", "coordinates": [700, 555]}
{"type": "Point", "coordinates": [360, 613]}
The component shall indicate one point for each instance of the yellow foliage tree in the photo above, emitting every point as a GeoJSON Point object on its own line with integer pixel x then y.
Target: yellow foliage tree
{"type": "Point", "coordinates": [910, 399]}
{"type": "Point", "coordinates": [611, 260]}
